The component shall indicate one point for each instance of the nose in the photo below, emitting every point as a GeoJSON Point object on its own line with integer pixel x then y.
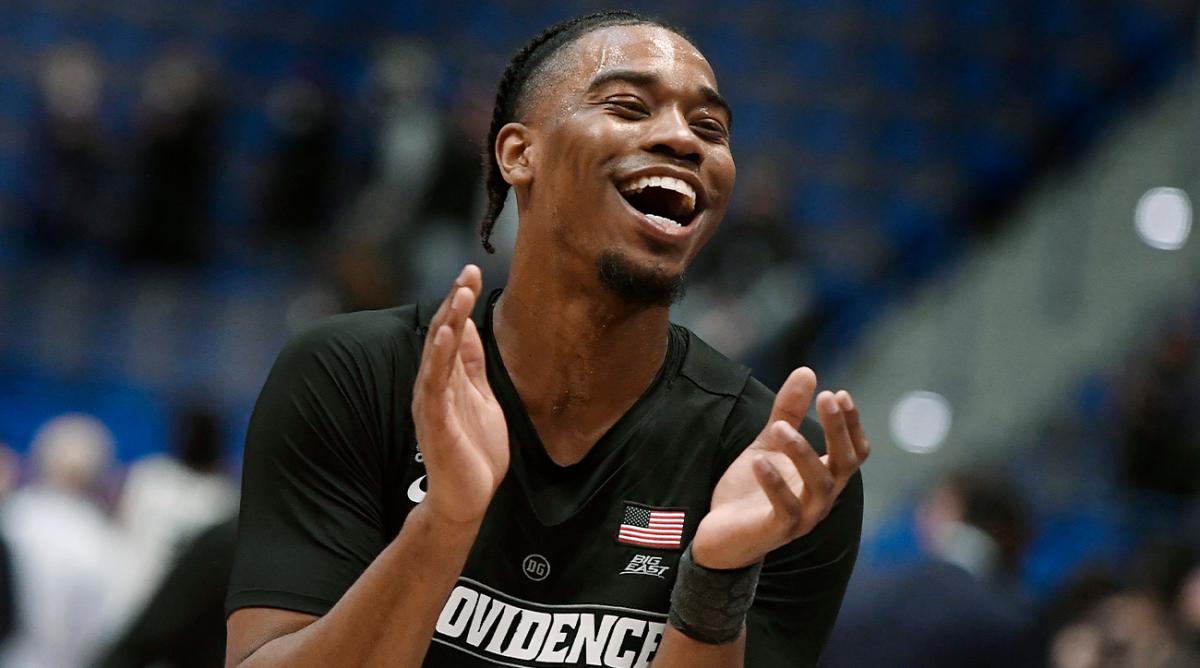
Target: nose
{"type": "Point", "coordinates": [670, 134]}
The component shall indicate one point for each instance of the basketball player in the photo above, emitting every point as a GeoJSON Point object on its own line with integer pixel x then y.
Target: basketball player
{"type": "Point", "coordinates": [553, 474]}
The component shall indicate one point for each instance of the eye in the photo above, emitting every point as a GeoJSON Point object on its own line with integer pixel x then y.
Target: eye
{"type": "Point", "coordinates": [711, 128]}
{"type": "Point", "coordinates": [629, 106]}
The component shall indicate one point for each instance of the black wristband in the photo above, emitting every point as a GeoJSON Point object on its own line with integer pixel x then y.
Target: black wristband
{"type": "Point", "coordinates": [711, 605]}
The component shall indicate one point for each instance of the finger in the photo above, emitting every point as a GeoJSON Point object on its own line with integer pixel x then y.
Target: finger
{"type": "Point", "coordinates": [470, 277]}
{"type": "Point", "coordinates": [794, 397]}
{"type": "Point", "coordinates": [783, 500]}
{"type": "Point", "coordinates": [470, 351]}
{"type": "Point", "coordinates": [439, 361]}
{"type": "Point", "coordinates": [457, 315]}
{"type": "Point", "coordinates": [818, 480]}
{"type": "Point", "coordinates": [440, 355]}
{"type": "Point", "coordinates": [858, 436]}
{"type": "Point", "coordinates": [457, 307]}
{"type": "Point", "coordinates": [840, 455]}
{"type": "Point", "coordinates": [439, 316]}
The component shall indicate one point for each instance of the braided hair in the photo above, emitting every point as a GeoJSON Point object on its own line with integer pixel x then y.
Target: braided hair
{"type": "Point", "coordinates": [514, 85]}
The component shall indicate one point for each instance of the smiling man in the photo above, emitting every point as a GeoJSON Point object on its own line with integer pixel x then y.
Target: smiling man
{"type": "Point", "coordinates": [553, 474]}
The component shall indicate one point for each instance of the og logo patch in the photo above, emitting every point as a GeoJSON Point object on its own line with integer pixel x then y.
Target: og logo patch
{"type": "Point", "coordinates": [536, 567]}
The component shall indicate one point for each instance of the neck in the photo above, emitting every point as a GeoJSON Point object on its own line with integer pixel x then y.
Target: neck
{"type": "Point", "coordinates": [578, 355]}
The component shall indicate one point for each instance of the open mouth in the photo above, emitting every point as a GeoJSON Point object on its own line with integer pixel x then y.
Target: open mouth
{"type": "Point", "coordinates": [665, 200]}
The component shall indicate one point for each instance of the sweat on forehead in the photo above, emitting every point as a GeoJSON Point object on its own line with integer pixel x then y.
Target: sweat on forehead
{"type": "Point", "coordinates": [562, 60]}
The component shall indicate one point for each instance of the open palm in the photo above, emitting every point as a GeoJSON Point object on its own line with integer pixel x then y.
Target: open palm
{"type": "Point", "coordinates": [779, 488]}
{"type": "Point", "coordinates": [459, 423]}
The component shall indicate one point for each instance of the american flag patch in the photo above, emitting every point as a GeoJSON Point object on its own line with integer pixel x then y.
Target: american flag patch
{"type": "Point", "coordinates": [651, 527]}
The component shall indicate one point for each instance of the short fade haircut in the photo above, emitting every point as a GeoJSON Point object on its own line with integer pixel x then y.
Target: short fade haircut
{"type": "Point", "coordinates": [512, 91]}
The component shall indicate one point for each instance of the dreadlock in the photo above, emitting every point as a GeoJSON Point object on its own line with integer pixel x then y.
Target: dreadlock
{"type": "Point", "coordinates": [511, 93]}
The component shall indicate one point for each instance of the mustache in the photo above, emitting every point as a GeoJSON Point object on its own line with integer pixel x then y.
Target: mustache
{"type": "Point", "coordinates": [636, 162]}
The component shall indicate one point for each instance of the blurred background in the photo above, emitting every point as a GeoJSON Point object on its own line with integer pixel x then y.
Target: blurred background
{"type": "Point", "coordinates": [975, 214]}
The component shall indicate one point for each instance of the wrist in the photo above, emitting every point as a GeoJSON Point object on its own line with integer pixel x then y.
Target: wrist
{"type": "Point", "coordinates": [425, 518]}
{"type": "Point", "coordinates": [456, 510]}
{"type": "Point", "coordinates": [710, 605]}
{"type": "Point", "coordinates": [708, 554]}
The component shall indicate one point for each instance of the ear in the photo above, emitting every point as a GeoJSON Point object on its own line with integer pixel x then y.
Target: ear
{"type": "Point", "coordinates": [513, 143]}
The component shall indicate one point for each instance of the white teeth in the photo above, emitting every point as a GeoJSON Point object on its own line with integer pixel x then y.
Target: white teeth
{"type": "Point", "coordinates": [665, 223]}
{"type": "Point", "coordinates": [667, 182]}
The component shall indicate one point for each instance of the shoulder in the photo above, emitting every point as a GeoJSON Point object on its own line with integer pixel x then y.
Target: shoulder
{"type": "Point", "coordinates": [712, 373]}
{"type": "Point", "coordinates": [715, 373]}
{"type": "Point", "coordinates": [361, 345]}
{"type": "Point", "coordinates": [707, 369]}
{"type": "Point", "coordinates": [360, 332]}
{"type": "Point", "coordinates": [351, 370]}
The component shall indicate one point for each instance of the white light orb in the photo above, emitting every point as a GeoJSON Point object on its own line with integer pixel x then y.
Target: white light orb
{"type": "Point", "coordinates": [1163, 218]}
{"type": "Point", "coordinates": [920, 421]}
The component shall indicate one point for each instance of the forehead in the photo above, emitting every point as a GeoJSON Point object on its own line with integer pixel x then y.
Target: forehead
{"type": "Point", "coordinates": [646, 48]}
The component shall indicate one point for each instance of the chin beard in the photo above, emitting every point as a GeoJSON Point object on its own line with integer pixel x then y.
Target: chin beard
{"type": "Point", "coordinates": [639, 286]}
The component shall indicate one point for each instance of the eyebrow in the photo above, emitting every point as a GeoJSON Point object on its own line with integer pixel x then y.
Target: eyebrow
{"type": "Point", "coordinates": [640, 78]}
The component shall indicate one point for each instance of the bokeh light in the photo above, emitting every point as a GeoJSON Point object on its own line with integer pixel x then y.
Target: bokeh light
{"type": "Point", "coordinates": [1163, 218]}
{"type": "Point", "coordinates": [920, 421]}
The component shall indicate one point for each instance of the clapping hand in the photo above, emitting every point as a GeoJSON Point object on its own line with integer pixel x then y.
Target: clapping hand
{"type": "Point", "coordinates": [779, 489]}
{"type": "Point", "coordinates": [460, 426]}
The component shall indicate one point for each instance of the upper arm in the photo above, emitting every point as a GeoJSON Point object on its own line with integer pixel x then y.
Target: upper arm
{"type": "Point", "coordinates": [312, 515]}
{"type": "Point", "coordinates": [248, 629]}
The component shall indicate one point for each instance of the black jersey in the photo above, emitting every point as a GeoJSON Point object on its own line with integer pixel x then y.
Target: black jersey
{"type": "Point", "coordinates": [573, 565]}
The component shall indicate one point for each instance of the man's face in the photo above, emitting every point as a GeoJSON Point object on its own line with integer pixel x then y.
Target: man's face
{"type": "Point", "coordinates": [631, 164]}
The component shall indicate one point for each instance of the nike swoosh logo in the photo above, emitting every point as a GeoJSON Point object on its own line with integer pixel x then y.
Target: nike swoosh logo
{"type": "Point", "coordinates": [415, 493]}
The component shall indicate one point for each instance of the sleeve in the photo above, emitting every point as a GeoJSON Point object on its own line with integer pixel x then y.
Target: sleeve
{"type": "Point", "coordinates": [802, 583]}
{"type": "Point", "coordinates": [312, 516]}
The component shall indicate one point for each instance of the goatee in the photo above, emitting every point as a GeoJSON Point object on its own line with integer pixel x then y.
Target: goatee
{"type": "Point", "coordinates": [639, 286]}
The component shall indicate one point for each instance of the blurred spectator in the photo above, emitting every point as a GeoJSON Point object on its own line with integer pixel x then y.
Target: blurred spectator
{"type": "Point", "coordinates": [446, 216]}
{"type": "Point", "coordinates": [9, 472]}
{"type": "Point", "coordinates": [1125, 629]}
{"type": "Point", "coordinates": [414, 219]}
{"type": "Point", "coordinates": [303, 171]}
{"type": "Point", "coordinates": [1122, 617]}
{"type": "Point", "coordinates": [958, 607]}
{"type": "Point", "coordinates": [70, 201]}
{"type": "Point", "coordinates": [183, 625]}
{"type": "Point", "coordinates": [977, 522]}
{"type": "Point", "coordinates": [756, 281]}
{"type": "Point", "coordinates": [64, 549]}
{"type": "Point", "coordinates": [455, 188]}
{"type": "Point", "coordinates": [362, 279]}
{"type": "Point", "coordinates": [1169, 574]}
{"type": "Point", "coordinates": [168, 499]}
{"type": "Point", "coordinates": [1162, 441]}
{"type": "Point", "coordinates": [407, 126]}
{"type": "Point", "coordinates": [401, 100]}
{"type": "Point", "coordinates": [179, 149]}
{"type": "Point", "coordinates": [1187, 608]}
{"type": "Point", "coordinates": [757, 234]}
